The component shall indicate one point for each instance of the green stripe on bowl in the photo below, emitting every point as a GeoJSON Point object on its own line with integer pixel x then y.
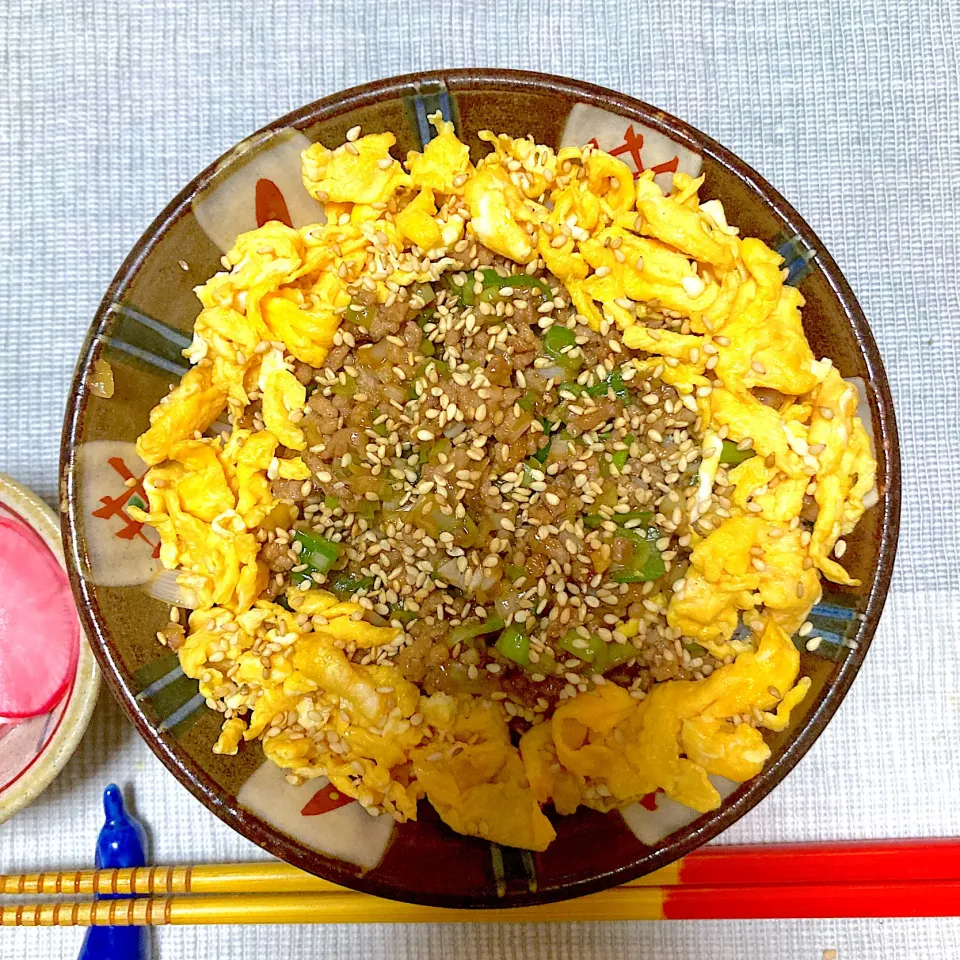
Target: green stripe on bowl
{"type": "Point", "coordinates": [174, 697]}
{"type": "Point", "coordinates": [430, 97]}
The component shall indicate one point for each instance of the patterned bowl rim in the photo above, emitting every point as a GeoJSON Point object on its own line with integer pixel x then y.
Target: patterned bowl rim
{"type": "Point", "coordinates": [81, 696]}
{"type": "Point", "coordinates": [682, 841]}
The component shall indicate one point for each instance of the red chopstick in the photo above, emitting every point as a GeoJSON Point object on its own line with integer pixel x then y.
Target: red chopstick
{"type": "Point", "coordinates": [863, 861]}
{"type": "Point", "coordinates": [834, 900]}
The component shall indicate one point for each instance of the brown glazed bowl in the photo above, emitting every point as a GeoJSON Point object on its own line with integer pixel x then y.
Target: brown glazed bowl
{"type": "Point", "coordinates": [141, 328]}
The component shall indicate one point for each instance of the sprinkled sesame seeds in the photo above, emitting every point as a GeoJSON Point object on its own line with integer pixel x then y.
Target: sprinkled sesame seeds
{"type": "Point", "coordinates": [522, 491]}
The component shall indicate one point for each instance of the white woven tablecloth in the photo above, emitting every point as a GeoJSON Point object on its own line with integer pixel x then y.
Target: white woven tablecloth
{"type": "Point", "coordinates": [850, 109]}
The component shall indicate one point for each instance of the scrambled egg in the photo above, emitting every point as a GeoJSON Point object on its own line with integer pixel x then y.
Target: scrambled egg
{"type": "Point", "coordinates": [363, 172]}
{"type": "Point", "coordinates": [846, 469]}
{"type": "Point", "coordinates": [288, 675]}
{"type": "Point", "coordinates": [376, 728]}
{"type": "Point", "coordinates": [745, 563]}
{"type": "Point", "coordinates": [206, 501]}
{"type": "Point", "coordinates": [605, 749]}
{"type": "Point", "coordinates": [476, 779]}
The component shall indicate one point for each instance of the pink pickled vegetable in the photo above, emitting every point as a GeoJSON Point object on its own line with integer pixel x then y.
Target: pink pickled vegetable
{"type": "Point", "coordinates": [39, 630]}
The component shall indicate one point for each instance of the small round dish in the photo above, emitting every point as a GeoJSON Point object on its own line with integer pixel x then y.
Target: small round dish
{"type": "Point", "coordinates": [133, 354]}
{"type": "Point", "coordinates": [34, 750]}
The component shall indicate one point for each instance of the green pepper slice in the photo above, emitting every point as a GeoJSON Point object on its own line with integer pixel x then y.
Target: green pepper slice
{"type": "Point", "coordinates": [541, 455]}
{"type": "Point", "coordinates": [424, 291]}
{"type": "Point", "coordinates": [347, 388]}
{"type": "Point", "coordinates": [431, 454]}
{"type": "Point", "coordinates": [732, 454]}
{"type": "Point", "coordinates": [468, 296]}
{"type": "Point", "coordinates": [514, 644]}
{"type": "Point", "coordinates": [469, 631]}
{"type": "Point", "coordinates": [645, 563]}
{"type": "Point", "coordinates": [350, 583]}
{"type": "Point", "coordinates": [593, 652]}
{"type": "Point", "coordinates": [493, 284]}
{"type": "Point", "coordinates": [361, 314]}
{"type": "Point", "coordinates": [527, 401]}
{"type": "Point", "coordinates": [464, 294]}
{"type": "Point", "coordinates": [398, 613]}
{"type": "Point", "coordinates": [556, 340]}
{"type": "Point", "coordinates": [615, 380]}
{"type": "Point", "coordinates": [318, 553]}
{"type": "Point", "coordinates": [617, 653]}
{"type": "Point", "coordinates": [365, 510]}
{"type": "Point", "coordinates": [620, 457]}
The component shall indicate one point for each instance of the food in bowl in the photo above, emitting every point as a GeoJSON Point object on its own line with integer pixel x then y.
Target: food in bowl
{"type": "Point", "coordinates": [504, 487]}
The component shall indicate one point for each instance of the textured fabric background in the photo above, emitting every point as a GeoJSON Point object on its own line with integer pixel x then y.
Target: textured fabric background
{"type": "Point", "coordinates": [851, 109]}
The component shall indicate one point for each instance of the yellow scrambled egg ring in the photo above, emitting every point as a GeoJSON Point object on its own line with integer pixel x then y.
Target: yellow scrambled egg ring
{"type": "Point", "coordinates": [615, 243]}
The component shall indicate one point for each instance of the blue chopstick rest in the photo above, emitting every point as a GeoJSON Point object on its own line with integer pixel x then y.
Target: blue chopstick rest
{"type": "Point", "coordinates": [121, 843]}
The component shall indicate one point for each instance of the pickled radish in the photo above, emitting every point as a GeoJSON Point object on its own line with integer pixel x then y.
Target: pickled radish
{"type": "Point", "coordinates": [39, 630]}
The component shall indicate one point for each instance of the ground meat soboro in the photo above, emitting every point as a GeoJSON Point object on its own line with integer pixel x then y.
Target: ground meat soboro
{"type": "Point", "coordinates": [502, 486]}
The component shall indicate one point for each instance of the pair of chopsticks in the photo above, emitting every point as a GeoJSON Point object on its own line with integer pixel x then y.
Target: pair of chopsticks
{"type": "Point", "coordinates": [908, 878]}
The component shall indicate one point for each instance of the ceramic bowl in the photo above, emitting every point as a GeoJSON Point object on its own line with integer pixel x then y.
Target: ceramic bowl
{"type": "Point", "coordinates": [35, 750]}
{"type": "Point", "coordinates": [145, 322]}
